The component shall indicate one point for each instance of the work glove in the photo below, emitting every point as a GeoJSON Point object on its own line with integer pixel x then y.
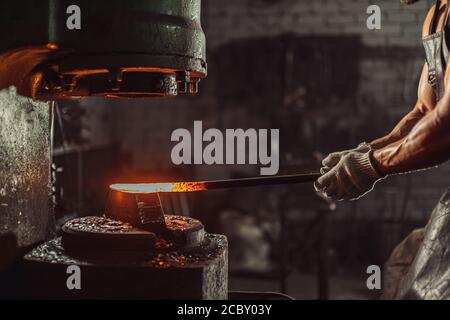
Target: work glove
{"type": "Point", "coordinates": [351, 178]}
{"type": "Point", "coordinates": [333, 158]}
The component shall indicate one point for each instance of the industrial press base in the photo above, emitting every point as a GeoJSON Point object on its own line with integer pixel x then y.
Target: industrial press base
{"type": "Point", "coordinates": [117, 262]}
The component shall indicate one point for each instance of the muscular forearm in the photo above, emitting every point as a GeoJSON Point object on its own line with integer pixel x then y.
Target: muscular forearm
{"type": "Point", "coordinates": [426, 145]}
{"type": "Point", "coordinates": [401, 130]}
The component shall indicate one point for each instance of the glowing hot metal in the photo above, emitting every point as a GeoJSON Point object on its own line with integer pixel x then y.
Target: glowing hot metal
{"type": "Point", "coordinates": [140, 204]}
{"type": "Point", "coordinates": [143, 188]}
{"type": "Point", "coordinates": [159, 187]}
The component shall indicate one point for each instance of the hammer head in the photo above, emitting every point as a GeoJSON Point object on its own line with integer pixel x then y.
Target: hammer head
{"type": "Point", "coordinates": [143, 211]}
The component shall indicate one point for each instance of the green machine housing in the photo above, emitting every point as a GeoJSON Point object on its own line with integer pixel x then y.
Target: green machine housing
{"type": "Point", "coordinates": [139, 48]}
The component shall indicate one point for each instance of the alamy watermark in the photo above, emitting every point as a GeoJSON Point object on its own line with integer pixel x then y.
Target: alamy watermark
{"type": "Point", "coordinates": [73, 281]}
{"type": "Point", "coordinates": [73, 21]}
{"type": "Point", "coordinates": [374, 280]}
{"type": "Point", "coordinates": [373, 21]}
{"type": "Point", "coordinates": [234, 146]}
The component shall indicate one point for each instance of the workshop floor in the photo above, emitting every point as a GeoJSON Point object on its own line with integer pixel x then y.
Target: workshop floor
{"type": "Point", "coordinates": [303, 286]}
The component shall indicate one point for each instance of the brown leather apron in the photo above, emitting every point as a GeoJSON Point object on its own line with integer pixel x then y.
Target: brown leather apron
{"type": "Point", "coordinates": [419, 268]}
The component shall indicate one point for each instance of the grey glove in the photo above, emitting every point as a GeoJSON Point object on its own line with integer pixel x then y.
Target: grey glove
{"type": "Point", "coordinates": [333, 158]}
{"type": "Point", "coordinates": [351, 178]}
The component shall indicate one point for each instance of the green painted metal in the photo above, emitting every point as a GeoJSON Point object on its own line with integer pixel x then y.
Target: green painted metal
{"type": "Point", "coordinates": [164, 33]}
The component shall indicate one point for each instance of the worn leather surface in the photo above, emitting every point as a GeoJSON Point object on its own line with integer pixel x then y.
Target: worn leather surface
{"type": "Point", "coordinates": [429, 275]}
{"type": "Point", "coordinates": [399, 263]}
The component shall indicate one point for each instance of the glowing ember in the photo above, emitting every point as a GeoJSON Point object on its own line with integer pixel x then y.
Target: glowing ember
{"type": "Point", "coordinates": [159, 187]}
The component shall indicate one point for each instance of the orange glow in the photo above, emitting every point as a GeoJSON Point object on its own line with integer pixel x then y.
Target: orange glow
{"type": "Point", "coordinates": [159, 187]}
{"type": "Point", "coordinates": [147, 69]}
{"type": "Point", "coordinates": [85, 72]}
{"type": "Point", "coordinates": [52, 46]}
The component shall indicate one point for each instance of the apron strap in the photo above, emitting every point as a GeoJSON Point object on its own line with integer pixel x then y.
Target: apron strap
{"type": "Point", "coordinates": [437, 51]}
{"type": "Point", "coordinates": [435, 17]}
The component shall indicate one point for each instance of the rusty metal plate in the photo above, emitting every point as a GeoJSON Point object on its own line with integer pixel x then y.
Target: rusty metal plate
{"type": "Point", "coordinates": [25, 204]}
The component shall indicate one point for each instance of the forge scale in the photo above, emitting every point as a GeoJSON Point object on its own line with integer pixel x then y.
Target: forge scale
{"type": "Point", "coordinates": [120, 261]}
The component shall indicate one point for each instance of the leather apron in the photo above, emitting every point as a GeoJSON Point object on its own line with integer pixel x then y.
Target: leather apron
{"type": "Point", "coordinates": [437, 53]}
{"type": "Point", "coordinates": [428, 250]}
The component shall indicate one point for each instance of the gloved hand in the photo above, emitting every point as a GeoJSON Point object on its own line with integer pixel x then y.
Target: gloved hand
{"type": "Point", "coordinates": [351, 178]}
{"type": "Point", "coordinates": [333, 158]}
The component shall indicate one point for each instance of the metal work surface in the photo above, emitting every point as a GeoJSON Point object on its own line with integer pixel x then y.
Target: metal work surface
{"type": "Point", "coordinates": [25, 209]}
{"type": "Point", "coordinates": [196, 273]}
{"type": "Point", "coordinates": [89, 234]}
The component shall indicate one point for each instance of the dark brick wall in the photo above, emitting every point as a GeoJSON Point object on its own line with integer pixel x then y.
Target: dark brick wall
{"type": "Point", "coordinates": [228, 20]}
